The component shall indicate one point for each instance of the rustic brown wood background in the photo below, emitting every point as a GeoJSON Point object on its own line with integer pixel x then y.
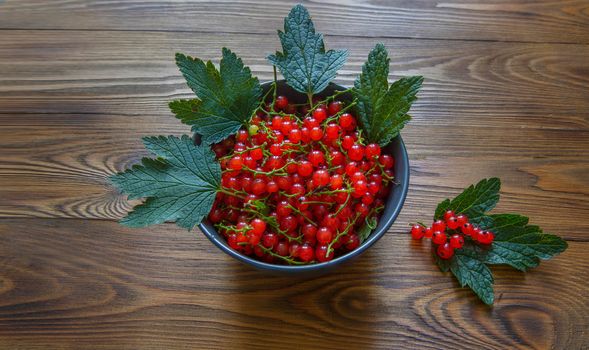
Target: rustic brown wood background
{"type": "Point", "coordinates": [506, 94]}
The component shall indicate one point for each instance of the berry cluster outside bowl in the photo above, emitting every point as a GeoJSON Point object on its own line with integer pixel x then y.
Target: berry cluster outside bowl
{"type": "Point", "coordinates": [393, 205]}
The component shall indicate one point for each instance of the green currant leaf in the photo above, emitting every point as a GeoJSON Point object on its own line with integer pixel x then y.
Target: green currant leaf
{"type": "Point", "coordinates": [303, 62]}
{"type": "Point", "coordinates": [180, 185]}
{"type": "Point", "coordinates": [382, 109]}
{"type": "Point", "coordinates": [520, 245]}
{"type": "Point", "coordinates": [366, 229]}
{"type": "Point", "coordinates": [226, 100]}
{"type": "Point", "coordinates": [472, 272]}
{"type": "Point", "coordinates": [474, 201]}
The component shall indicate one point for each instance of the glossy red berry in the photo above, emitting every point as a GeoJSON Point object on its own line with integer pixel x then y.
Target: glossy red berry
{"type": "Point", "coordinates": [322, 255]}
{"type": "Point", "coordinates": [445, 251]}
{"type": "Point", "coordinates": [356, 152]}
{"type": "Point", "coordinates": [332, 131]}
{"type": "Point", "coordinates": [269, 240]}
{"type": "Point", "coordinates": [316, 158]}
{"type": "Point", "coordinates": [316, 133]}
{"type": "Point", "coordinates": [428, 233]}
{"type": "Point", "coordinates": [306, 252]}
{"type": "Point", "coordinates": [486, 237]}
{"type": "Point", "coordinates": [448, 214]}
{"type": "Point", "coordinates": [321, 177]}
{"type": "Point", "coordinates": [462, 219]}
{"type": "Point", "coordinates": [281, 102]}
{"type": "Point", "coordinates": [347, 121]}
{"type": "Point", "coordinates": [324, 235]}
{"type": "Point", "coordinates": [386, 161]}
{"type": "Point", "coordinates": [417, 232]}
{"type": "Point", "coordinates": [439, 237]}
{"type": "Point", "coordinates": [466, 229]}
{"type": "Point", "coordinates": [305, 168]}
{"type": "Point", "coordinates": [236, 163]}
{"type": "Point", "coordinates": [452, 223]}
{"type": "Point", "coordinates": [334, 107]}
{"type": "Point", "coordinates": [372, 151]}
{"type": "Point", "coordinates": [320, 114]}
{"type": "Point", "coordinates": [456, 241]}
{"type": "Point", "coordinates": [439, 225]}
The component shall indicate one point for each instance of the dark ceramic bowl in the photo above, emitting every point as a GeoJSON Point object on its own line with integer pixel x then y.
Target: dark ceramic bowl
{"type": "Point", "coordinates": [392, 209]}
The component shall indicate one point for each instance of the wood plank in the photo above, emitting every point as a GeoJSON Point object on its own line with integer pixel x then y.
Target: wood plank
{"type": "Point", "coordinates": [513, 20]}
{"type": "Point", "coordinates": [99, 285]}
{"type": "Point", "coordinates": [134, 74]}
{"type": "Point", "coordinates": [56, 166]}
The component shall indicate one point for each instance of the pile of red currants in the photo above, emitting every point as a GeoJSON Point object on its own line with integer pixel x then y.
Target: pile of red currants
{"type": "Point", "coordinates": [299, 183]}
{"type": "Point", "coordinates": [449, 234]}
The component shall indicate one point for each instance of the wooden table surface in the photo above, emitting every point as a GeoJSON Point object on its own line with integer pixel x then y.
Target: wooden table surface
{"type": "Point", "coordinates": [506, 94]}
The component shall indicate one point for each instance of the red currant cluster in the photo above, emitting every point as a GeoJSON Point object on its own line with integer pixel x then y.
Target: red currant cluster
{"type": "Point", "coordinates": [299, 183]}
{"type": "Point", "coordinates": [449, 234]}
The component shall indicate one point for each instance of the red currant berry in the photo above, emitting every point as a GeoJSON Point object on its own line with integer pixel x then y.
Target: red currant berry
{"type": "Point", "coordinates": [316, 158]}
{"type": "Point", "coordinates": [324, 235]}
{"type": "Point", "coordinates": [337, 158]}
{"type": "Point", "coordinates": [310, 122]}
{"type": "Point", "coordinates": [321, 253]}
{"type": "Point", "coordinates": [462, 219]}
{"type": "Point", "coordinates": [332, 131]}
{"type": "Point", "coordinates": [269, 240]}
{"type": "Point", "coordinates": [347, 121]}
{"type": "Point", "coordinates": [334, 107]}
{"type": "Point", "coordinates": [352, 242]}
{"type": "Point", "coordinates": [417, 231]}
{"type": "Point", "coordinates": [306, 252]}
{"type": "Point", "coordinates": [288, 223]}
{"type": "Point", "coordinates": [241, 136]}
{"type": "Point", "coordinates": [309, 231]}
{"type": "Point", "coordinates": [336, 182]}
{"type": "Point", "coordinates": [428, 233]}
{"type": "Point", "coordinates": [456, 241]}
{"type": "Point", "coordinates": [282, 248]}
{"type": "Point", "coordinates": [386, 161]}
{"type": "Point", "coordinates": [316, 133]}
{"type": "Point", "coordinates": [347, 142]}
{"type": "Point", "coordinates": [439, 225]}
{"type": "Point", "coordinates": [445, 251]}
{"type": "Point", "coordinates": [475, 232]}
{"type": "Point", "coordinates": [277, 122]}
{"type": "Point", "coordinates": [372, 151]}
{"type": "Point", "coordinates": [452, 223]}
{"type": "Point", "coordinates": [486, 237]}
{"type": "Point", "coordinates": [236, 163]}
{"type": "Point", "coordinates": [321, 177]}
{"type": "Point", "coordinates": [356, 152]}
{"type": "Point", "coordinates": [305, 168]}
{"type": "Point", "coordinates": [320, 114]}
{"type": "Point", "coordinates": [281, 102]}
{"type": "Point", "coordinates": [466, 229]}
{"type": "Point", "coordinates": [295, 135]}
{"type": "Point", "coordinates": [439, 237]}
{"type": "Point", "coordinates": [272, 187]}
{"type": "Point", "coordinates": [448, 214]}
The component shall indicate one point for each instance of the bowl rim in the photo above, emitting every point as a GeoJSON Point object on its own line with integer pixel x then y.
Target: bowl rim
{"type": "Point", "coordinates": [210, 232]}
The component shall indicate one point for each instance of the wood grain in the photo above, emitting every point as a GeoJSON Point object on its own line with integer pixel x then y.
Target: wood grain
{"type": "Point", "coordinates": [506, 94]}
{"type": "Point", "coordinates": [502, 20]}
{"type": "Point", "coordinates": [99, 284]}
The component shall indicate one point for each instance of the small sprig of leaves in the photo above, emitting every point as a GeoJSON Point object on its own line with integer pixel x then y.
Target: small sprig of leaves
{"type": "Point", "coordinates": [304, 63]}
{"type": "Point", "coordinates": [382, 109]}
{"type": "Point", "coordinates": [180, 185]}
{"type": "Point", "coordinates": [226, 97]}
{"type": "Point", "coordinates": [516, 243]}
